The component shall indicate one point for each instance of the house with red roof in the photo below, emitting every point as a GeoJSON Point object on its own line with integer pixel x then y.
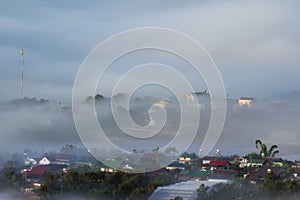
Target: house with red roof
{"type": "Point", "coordinates": [216, 164]}
{"type": "Point", "coordinates": [36, 172]}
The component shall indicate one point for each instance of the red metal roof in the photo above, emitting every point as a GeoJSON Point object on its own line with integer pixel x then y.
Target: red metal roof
{"type": "Point", "coordinates": [37, 170]}
{"type": "Point", "coordinates": [217, 163]}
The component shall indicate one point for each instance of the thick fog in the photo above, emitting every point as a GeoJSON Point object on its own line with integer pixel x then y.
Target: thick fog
{"type": "Point", "coordinates": [46, 127]}
{"type": "Point", "coordinates": [36, 127]}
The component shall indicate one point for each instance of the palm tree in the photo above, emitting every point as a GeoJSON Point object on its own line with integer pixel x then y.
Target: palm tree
{"type": "Point", "coordinates": [263, 148]}
{"type": "Point", "coordinates": [264, 152]}
{"type": "Point", "coordinates": [271, 151]}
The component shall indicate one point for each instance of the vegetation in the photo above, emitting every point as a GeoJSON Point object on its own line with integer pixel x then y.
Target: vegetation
{"type": "Point", "coordinates": [97, 97]}
{"type": "Point", "coordinates": [87, 181]}
{"type": "Point", "coordinates": [177, 198]}
{"type": "Point", "coordinates": [264, 151]}
{"type": "Point", "coordinates": [95, 185]}
{"type": "Point", "coordinates": [273, 187]}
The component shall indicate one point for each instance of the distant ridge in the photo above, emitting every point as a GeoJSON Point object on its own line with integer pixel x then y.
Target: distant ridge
{"type": "Point", "coordinates": [22, 102]}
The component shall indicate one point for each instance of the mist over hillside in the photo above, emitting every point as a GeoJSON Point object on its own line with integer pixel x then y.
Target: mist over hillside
{"type": "Point", "coordinates": [45, 126]}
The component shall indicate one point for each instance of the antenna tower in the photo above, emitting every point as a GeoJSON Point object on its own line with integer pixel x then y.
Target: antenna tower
{"type": "Point", "coordinates": [22, 73]}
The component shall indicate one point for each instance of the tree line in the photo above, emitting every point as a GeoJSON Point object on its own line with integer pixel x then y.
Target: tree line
{"type": "Point", "coordinates": [100, 185]}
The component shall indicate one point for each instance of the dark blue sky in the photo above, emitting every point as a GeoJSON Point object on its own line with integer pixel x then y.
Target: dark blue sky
{"type": "Point", "coordinates": [255, 44]}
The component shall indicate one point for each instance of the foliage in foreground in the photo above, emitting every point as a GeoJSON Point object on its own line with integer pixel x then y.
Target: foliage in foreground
{"type": "Point", "coordinates": [273, 187]}
{"type": "Point", "coordinates": [98, 185]}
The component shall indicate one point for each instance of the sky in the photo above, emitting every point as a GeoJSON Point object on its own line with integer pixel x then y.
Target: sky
{"type": "Point", "coordinates": [255, 44]}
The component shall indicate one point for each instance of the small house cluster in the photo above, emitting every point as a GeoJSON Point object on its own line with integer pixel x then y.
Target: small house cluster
{"type": "Point", "coordinates": [226, 169]}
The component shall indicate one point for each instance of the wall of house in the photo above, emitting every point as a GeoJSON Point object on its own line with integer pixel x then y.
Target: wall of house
{"type": "Point", "coordinates": [244, 102]}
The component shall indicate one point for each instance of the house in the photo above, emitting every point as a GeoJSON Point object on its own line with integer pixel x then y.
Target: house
{"type": "Point", "coordinates": [260, 174]}
{"type": "Point", "coordinates": [64, 159]}
{"type": "Point", "coordinates": [188, 158]}
{"type": "Point", "coordinates": [111, 165]}
{"type": "Point", "coordinates": [185, 160]}
{"type": "Point", "coordinates": [223, 175]}
{"type": "Point", "coordinates": [216, 164]}
{"type": "Point", "coordinates": [246, 101]}
{"type": "Point", "coordinates": [197, 175]}
{"type": "Point", "coordinates": [203, 99]}
{"type": "Point", "coordinates": [274, 162]}
{"type": "Point", "coordinates": [177, 165]}
{"type": "Point", "coordinates": [241, 162]}
{"type": "Point", "coordinates": [256, 163]}
{"type": "Point", "coordinates": [57, 167]}
{"type": "Point", "coordinates": [30, 161]}
{"type": "Point", "coordinates": [107, 169]}
{"type": "Point", "coordinates": [295, 174]}
{"type": "Point", "coordinates": [35, 172]}
{"type": "Point", "coordinates": [44, 161]}
{"type": "Point", "coordinates": [296, 165]}
{"type": "Point", "coordinates": [207, 159]}
{"type": "Point", "coordinates": [127, 168]}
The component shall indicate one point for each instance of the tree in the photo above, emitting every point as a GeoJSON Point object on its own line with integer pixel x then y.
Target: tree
{"type": "Point", "coordinates": [202, 192]}
{"type": "Point", "coordinates": [69, 148]}
{"type": "Point", "coordinates": [252, 155]}
{"type": "Point", "coordinates": [263, 148]}
{"type": "Point", "coordinates": [272, 183]}
{"type": "Point", "coordinates": [264, 152]}
{"type": "Point", "coordinates": [89, 99]}
{"type": "Point", "coordinates": [271, 151]}
{"type": "Point", "coordinates": [171, 150]}
{"type": "Point", "coordinates": [99, 97]}
{"type": "Point", "coordinates": [73, 181]}
{"type": "Point", "coordinates": [177, 198]}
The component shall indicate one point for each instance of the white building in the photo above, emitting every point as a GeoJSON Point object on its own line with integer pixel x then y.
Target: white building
{"type": "Point", "coordinates": [44, 161]}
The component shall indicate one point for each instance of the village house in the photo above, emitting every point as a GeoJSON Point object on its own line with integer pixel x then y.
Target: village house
{"type": "Point", "coordinates": [192, 160]}
{"type": "Point", "coordinates": [257, 175]}
{"type": "Point", "coordinates": [177, 166]}
{"type": "Point", "coordinates": [207, 159]}
{"type": "Point", "coordinates": [35, 172]}
{"type": "Point", "coordinates": [216, 164]}
{"type": "Point", "coordinates": [30, 161]}
{"type": "Point", "coordinates": [246, 101]}
{"type": "Point", "coordinates": [274, 162]}
{"type": "Point", "coordinates": [114, 166]}
{"type": "Point", "coordinates": [65, 159]}
{"type": "Point", "coordinates": [223, 175]}
{"type": "Point", "coordinates": [241, 162]}
{"type": "Point", "coordinates": [196, 175]}
{"type": "Point", "coordinates": [255, 163]}
{"type": "Point", "coordinates": [296, 164]}
{"type": "Point", "coordinates": [44, 161]}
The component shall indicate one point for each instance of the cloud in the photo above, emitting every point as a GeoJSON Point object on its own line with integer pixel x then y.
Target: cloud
{"type": "Point", "coordinates": [242, 36]}
{"type": "Point", "coordinates": [255, 44]}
